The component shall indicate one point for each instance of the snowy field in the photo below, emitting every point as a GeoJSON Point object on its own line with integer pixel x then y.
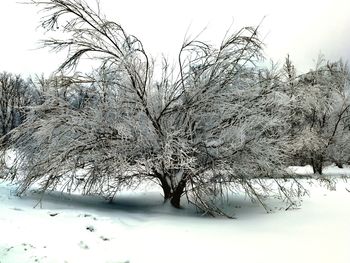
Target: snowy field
{"type": "Point", "coordinates": [138, 227]}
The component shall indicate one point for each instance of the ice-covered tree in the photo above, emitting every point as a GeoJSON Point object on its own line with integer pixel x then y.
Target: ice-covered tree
{"type": "Point", "coordinates": [210, 124]}
{"type": "Point", "coordinates": [319, 114]}
{"type": "Point", "coordinates": [14, 95]}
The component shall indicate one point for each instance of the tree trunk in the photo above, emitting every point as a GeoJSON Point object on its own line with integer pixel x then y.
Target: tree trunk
{"type": "Point", "coordinates": [317, 164]}
{"type": "Point", "coordinates": [166, 188]}
{"type": "Point", "coordinates": [176, 197]}
{"type": "Point", "coordinates": [172, 193]}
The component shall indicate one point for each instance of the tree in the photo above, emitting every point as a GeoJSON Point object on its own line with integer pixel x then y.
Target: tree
{"type": "Point", "coordinates": [319, 113]}
{"type": "Point", "coordinates": [207, 126]}
{"type": "Point", "coordinates": [14, 96]}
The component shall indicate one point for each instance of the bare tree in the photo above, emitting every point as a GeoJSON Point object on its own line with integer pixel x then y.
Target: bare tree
{"type": "Point", "coordinates": [206, 126]}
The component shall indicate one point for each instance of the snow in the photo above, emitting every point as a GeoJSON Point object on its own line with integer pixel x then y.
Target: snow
{"type": "Point", "coordinates": [331, 170]}
{"type": "Point", "coordinates": [138, 227]}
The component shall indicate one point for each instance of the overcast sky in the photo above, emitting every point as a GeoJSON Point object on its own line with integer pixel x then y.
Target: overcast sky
{"type": "Point", "coordinates": [302, 28]}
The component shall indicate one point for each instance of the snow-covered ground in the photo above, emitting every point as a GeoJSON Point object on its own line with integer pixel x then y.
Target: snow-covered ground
{"type": "Point", "coordinates": [138, 227]}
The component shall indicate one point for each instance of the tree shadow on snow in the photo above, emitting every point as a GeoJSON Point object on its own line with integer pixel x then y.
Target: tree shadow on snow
{"type": "Point", "coordinates": [145, 203]}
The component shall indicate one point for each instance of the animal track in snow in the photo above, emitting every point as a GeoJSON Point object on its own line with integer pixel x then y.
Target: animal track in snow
{"type": "Point", "coordinates": [83, 245]}
{"type": "Point", "coordinates": [90, 228]}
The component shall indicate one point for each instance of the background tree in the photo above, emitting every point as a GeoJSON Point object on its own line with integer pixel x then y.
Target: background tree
{"type": "Point", "coordinates": [207, 126]}
{"type": "Point", "coordinates": [15, 94]}
{"type": "Point", "coordinates": [319, 113]}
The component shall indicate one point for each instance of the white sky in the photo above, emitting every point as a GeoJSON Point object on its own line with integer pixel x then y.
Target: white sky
{"type": "Point", "coordinates": [302, 28]}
